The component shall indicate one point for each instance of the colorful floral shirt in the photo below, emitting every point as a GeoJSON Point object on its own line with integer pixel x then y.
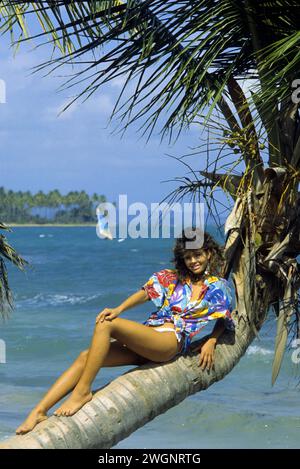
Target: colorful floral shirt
{"type": "Point", "coordinates": [173, 301]}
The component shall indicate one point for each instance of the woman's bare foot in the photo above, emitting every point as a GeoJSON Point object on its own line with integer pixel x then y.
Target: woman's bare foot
{"type": "Point", "coordinates": [73, 403]}
{"type": "Point", "coordinates": [36, 416]}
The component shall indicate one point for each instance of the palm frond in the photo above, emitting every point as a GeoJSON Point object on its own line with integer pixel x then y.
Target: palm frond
{"type": "Point", "coordinates": [7, 253]}
{"type": "Point", "coordinates": [179, 58]}
{"type": "Point", "coordinates": [180, 53]}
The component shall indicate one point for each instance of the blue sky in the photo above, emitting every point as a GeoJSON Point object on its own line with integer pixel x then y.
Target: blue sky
{"type": "Point", "coordinates": [76, 150]}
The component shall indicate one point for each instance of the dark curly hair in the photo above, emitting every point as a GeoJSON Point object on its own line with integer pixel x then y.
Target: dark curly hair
{"type": "Point", "coordinates": [209, 245]}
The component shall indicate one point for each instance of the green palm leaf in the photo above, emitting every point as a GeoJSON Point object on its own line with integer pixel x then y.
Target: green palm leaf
{"type": "Point", "coordinates": [7, 253]}
{"type": "Point", "coordinates": [181, 56]}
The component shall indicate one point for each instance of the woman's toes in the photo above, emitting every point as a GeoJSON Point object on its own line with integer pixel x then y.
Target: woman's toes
{"type": "Point", "coordinates": [32, 420]}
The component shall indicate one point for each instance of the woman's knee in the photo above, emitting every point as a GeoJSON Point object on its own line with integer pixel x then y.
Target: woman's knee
{"type": "Point", "coordinates": [103, 326]}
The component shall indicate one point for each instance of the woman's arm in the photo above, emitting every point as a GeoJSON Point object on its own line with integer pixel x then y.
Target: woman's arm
{"type": "Point", "coordinates": [218, 330]}
{"type": "Point", "coordinates": [208, 348]}
{"type": "Point", "coordinates": [110, 313]}
{"type": "Point", "coordinates": [137, 298]}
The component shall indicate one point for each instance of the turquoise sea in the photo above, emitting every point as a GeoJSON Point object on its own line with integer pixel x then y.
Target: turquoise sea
{"type": "Point", "coordinates": [73, 276]}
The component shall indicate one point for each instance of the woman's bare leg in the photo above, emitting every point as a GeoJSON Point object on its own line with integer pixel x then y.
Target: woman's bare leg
{"type": "Point", "coordinates": [148, 343]}
{"type": "Point", "coordinates": [118, 356]}
{"type": "Point", "coordinates": [82, 395]}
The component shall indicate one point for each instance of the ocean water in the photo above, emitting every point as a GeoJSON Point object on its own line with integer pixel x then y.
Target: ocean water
{"type": "Point", "coordinates": [73, 276]}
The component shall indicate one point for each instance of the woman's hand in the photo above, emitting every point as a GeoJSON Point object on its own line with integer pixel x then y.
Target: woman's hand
{"type": "Point", "coordinates": [207, 353]}
{"type": "Point", "coordinates": [109, 314]}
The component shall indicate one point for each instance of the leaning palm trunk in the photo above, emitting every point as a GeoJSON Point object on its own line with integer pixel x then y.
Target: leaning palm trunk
{"type": "Point", "coordinates": [132, 400]}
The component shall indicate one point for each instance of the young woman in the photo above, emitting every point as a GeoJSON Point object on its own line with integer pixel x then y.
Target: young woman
{"type": "Point", "coordinates": [186, 298]}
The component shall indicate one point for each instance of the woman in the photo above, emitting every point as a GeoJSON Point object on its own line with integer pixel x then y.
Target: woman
{"type": "Point", "coordinates": [186, 297]}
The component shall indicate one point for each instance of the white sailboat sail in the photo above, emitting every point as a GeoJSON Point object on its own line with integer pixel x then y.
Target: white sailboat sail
{"type": "Point", "coordinates": [103, 230]}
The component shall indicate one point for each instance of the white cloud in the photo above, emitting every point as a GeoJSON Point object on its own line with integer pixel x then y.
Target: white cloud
{"type": "Point", "coordinates": [17, 70]}
{"type": "Point", "coordinates": [102, 104]}
{"type": "Point", "coordinates": [118, 82]}
{"type": "Point", "coordinates": [55, 112]}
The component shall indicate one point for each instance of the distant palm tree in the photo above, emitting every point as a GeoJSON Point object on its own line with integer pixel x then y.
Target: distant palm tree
{"type": "Point", "coordinates": [185, 62]}
{"type": "Point", "coordinates": [97, 199]}
{"type": "Point", "coordinates": [55, 199]}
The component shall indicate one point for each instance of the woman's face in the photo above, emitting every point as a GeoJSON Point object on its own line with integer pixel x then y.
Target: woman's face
{"type": "Point", "coordinates": [196, 260]}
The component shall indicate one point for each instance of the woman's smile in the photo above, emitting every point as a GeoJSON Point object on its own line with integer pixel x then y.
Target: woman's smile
{"type": "Point", "coordinates": [196, 266]}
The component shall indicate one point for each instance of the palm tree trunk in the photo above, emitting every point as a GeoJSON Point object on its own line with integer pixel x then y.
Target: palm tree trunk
{"type": "Point", "coordinates": [130, 401]}
{"type": "Point", "coordinates": [135, 398]}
